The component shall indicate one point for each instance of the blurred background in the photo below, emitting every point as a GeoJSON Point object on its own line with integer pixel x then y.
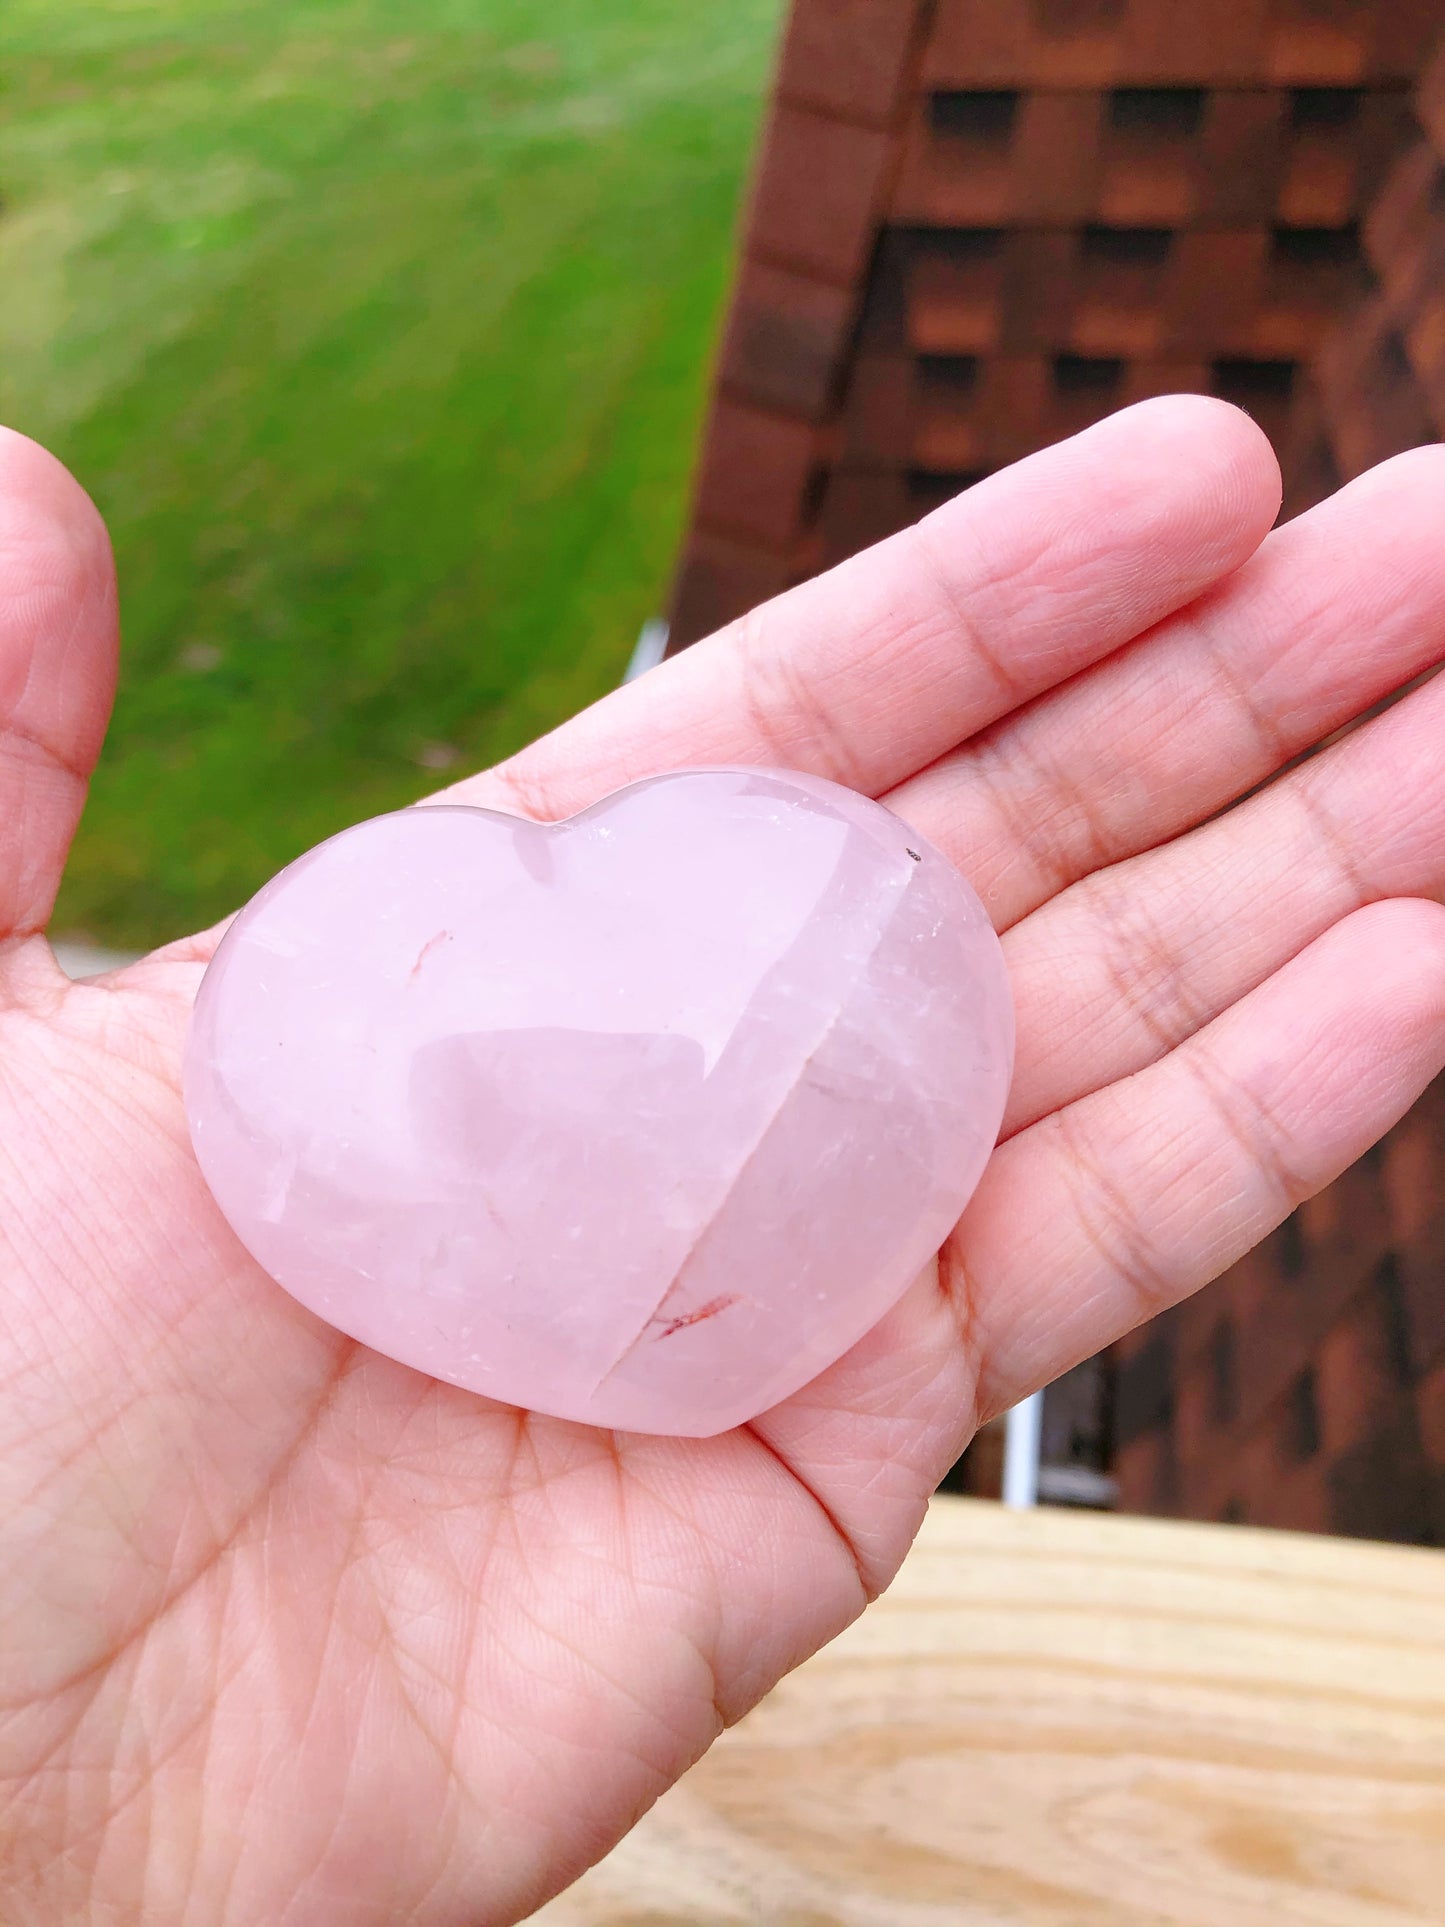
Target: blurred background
{"type": "Point", "coordinates": [418, 357]}
{"type": "Point", "coordinates": [378, 329]}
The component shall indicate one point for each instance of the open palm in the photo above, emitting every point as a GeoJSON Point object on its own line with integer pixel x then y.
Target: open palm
{"type": "Point", "coordinates": [291, 1634]}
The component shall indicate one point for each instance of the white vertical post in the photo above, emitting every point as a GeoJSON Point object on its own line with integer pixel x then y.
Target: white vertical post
{"type": "Point", "coordinates": [1023, 1428]}
{"type": "Point", "coordinates": [651, 646]}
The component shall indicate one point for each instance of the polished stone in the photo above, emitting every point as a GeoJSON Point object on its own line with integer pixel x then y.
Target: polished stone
{"type": "Point", "coordinates": [640, 1119]}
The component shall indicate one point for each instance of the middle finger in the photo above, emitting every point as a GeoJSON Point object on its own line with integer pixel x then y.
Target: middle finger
{"type": "Point", "coordinates": [1207, 705]}
{"type": "Point", "coordinates": [1113, 974]}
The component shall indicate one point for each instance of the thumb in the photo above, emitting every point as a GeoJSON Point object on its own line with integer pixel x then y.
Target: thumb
{"type": "Point", "coordinates": [58, 644]}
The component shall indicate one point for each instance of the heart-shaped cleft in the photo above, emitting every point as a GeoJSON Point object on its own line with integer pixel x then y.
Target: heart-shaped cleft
{"type": "Point", "coordinates": [640, 1119]}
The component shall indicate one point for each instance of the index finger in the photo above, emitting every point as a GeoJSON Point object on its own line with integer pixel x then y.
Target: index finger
{"type": "Point", "coordinates": [872, 671]}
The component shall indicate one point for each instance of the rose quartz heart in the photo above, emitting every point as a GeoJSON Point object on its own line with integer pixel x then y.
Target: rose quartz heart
{"type": "Point", "coordinates": [640, 1119]}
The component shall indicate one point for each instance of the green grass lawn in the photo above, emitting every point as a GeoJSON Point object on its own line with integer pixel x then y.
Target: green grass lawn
{"type": "Point", "coordinates": [379, 331]}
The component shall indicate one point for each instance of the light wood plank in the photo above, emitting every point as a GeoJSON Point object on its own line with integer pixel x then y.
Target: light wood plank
{"type": "Point", "coordinates": [1071, 1720]}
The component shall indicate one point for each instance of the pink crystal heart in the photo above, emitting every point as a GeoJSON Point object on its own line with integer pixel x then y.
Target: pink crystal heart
{"type": "Point", "coordinates": [641, 1119]}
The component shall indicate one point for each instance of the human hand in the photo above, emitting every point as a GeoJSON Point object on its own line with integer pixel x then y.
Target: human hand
{"type": "Point", "coordinates": [289, 1633]}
